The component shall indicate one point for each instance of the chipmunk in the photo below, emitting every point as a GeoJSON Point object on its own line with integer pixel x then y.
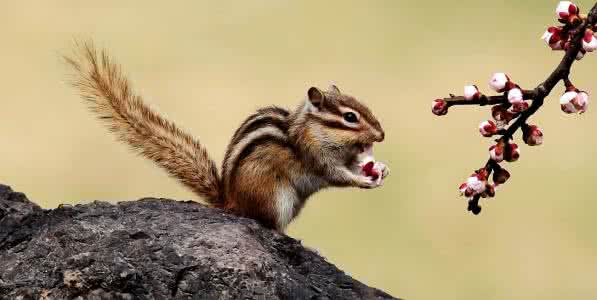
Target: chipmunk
{"type": "Point", "coordinates": [275, 160]}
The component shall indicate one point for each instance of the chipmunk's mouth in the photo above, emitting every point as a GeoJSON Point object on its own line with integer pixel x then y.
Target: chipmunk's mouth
{"type": "Point", "coordinates": [364, 163]}
{"type": "Point", "coordinates": [363, 154]}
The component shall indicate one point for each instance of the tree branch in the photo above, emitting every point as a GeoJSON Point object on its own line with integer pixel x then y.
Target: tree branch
{"type": "Point", "coordinates": [539, 94]}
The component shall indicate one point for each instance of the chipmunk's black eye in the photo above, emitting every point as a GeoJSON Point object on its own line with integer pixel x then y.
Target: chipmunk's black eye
{"type": "Point", "coordinates": [350, 117]}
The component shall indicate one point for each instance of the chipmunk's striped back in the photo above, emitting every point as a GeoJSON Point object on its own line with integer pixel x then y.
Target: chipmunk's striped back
{"type": "Point", "coordinates": [267, 125]}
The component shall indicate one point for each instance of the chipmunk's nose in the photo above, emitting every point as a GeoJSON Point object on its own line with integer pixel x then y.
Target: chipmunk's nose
{"type": "Point", "coordinates": [380, 136]}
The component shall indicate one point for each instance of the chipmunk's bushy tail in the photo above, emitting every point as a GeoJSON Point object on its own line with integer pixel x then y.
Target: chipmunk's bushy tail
{"type": "Point", "coordinates": [109, 95]}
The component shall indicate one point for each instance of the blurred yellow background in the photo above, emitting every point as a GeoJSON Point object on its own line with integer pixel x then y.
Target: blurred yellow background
{"type": "Point", "coordinates": [208, 64]}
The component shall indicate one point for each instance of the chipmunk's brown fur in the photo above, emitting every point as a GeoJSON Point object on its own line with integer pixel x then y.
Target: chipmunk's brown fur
{"type": "Point", "coordinates": [275, 160]}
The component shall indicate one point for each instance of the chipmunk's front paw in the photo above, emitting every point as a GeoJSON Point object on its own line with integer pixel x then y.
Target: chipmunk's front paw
{"type": "Point", "coordinates": [382, 169]}
{"type": "Point", "coordinates": [368, 182]}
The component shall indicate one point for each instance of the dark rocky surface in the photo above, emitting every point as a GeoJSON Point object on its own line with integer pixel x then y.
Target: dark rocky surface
{"type": "Point", "coordinates": [156, 249]}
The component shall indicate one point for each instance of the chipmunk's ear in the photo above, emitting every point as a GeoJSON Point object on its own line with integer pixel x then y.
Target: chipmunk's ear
{"type": "Point", "coordinates": [334, 89]}
{"type": "Point", "coordinates": [316, 97]}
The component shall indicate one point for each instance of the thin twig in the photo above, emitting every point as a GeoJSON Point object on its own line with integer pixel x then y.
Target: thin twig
{"type": "Point", "coordinates": [486, 100]}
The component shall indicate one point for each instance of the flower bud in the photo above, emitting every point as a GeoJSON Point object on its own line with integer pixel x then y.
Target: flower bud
{"type": "Point", "coordinates": [518, 107]}
{"type": "Point", "coordinates": [500, 176]}
{"type": "Point", "coordinates": [512, 154]}
{"type": "Point", "coordinates": [553, 38]}
{"type": "Point", "coordinates": [482, 174]}
{"type": "Point", "coordinates": [476, 185]}
{"type": "Point", "coordinates": [496, 152]}
{"type": "Point", "coordinates": [566, 102]}
{"type": "Point", "coordinates": [471, 92]}
{"type": "Point", "coordinates": [498, 82]}
{"type": "Point", "coordinates": [566, 10]}
{"type": "Point", "coordinates": [581, 54]}
{"type": "Point", "coordinates": [532, 135]}
{"type": "Point", "coordinates": [501, 114]}
{"type": "Point", "coordinates": [589, 42]}
{"type": "Point", "coordinates": [581, 102]}
{"type": "Point", "coordinates": [439, 107]}
{"type": "Point", "coordinates": [515, 96]}
{"type": "Point", "coordinates": [463, 188]}
{"type": "Point", "coordinates": [487, 128]}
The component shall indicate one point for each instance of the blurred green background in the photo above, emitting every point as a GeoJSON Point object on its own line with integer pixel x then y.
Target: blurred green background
{"type": "Point", "coordinates": [208, 64]}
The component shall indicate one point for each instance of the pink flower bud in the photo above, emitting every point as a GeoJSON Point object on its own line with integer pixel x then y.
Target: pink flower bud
{"type": "Point", "coordinates": [589, 42]}
{"type": "Point", "coordinates": [515, 96]}
{"type": "Point", "coordinates": [471, 92]}
{"type": "Point", "coordinates": [439, 107]}
{"type": "Point", "coordinates": [553, 38]}
{"type": "Point", "coordinates": [566, 102]}
{"type": "Point", "coordinates": [496, 152]}
{"type": "Point", "coordinates": [518, 107]}
{"type": "Point", "coordinates": [465, 190]}
{"type": "Point", "coordinates": [548, 34]}
{"type": "Point", "coordinates": [481, 174]}
{"type": "Point", "coordinates": [498, 82]}
{"type": "Point", "coordinates": [487, 128]}
{"type": "Point", "coordinates": [501, 114]}
{"type": "Point", "coordinates": [581, 102]}
{"type": "Point", "coordinates": [476, 185]}
{"type": "Point", "coordinates": [512, 154]}
{"type": "Point", "coordinates": [532, 135]}
{"type": "Point", "coordinates": [566, 10]}
{"type": "Point", "coordinates": [500, 176]}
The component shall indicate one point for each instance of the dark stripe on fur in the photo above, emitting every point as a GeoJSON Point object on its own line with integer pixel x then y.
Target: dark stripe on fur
{"type": "Point", "coordinates": [250, 148]}
{"type": "Point", "coordinates": [333, 123]}
{"type": "Point", "coordinates": [246, 127]}
{"type": "Point", "coordinates": [274, 110]}
{"type": "Point", "coordinates": [275, 117]}
{"type": "Point", "coordinates": [258, 124]}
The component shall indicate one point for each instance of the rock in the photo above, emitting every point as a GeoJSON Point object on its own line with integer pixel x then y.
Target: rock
{"type": "Point", "coordinates": [156, 249]}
